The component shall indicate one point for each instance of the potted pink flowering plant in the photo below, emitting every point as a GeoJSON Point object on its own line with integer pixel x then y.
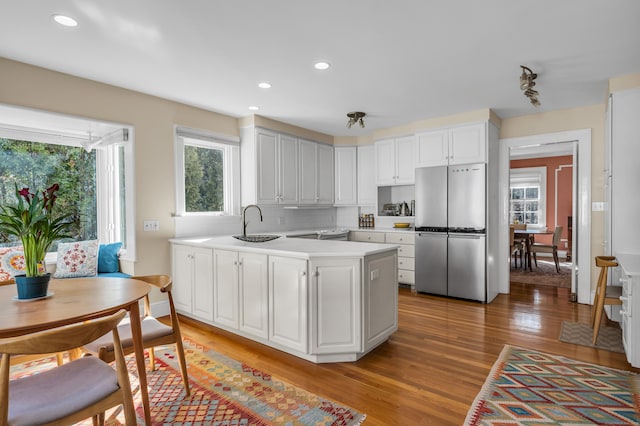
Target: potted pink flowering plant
{"type": "Point", "coordinates": [32, 222]}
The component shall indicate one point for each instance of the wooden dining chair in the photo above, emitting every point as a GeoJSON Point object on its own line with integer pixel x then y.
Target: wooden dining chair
{"type": "Point", "coordinates": [516, 248]}
{"type": "Point", "coordinates": [605, 294]}
{"type": "Point", "coordinates": [154, 332]}
{"type": "Point", "coordinates": [548, 248]}
{"type": "Point", "coordinates": [66, 394]}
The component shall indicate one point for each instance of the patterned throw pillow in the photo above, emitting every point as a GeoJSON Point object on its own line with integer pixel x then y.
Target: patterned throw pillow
{"type": "Point", "coordinates": [77, 259]}
{"type": "Point", "coordinates": [11, 262]}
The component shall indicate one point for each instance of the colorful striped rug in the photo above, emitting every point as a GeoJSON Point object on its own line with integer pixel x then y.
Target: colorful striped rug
{"type": "Point", "coordinates": [223, 392]}
{"type": "Point", "coordinates": [527, 387]}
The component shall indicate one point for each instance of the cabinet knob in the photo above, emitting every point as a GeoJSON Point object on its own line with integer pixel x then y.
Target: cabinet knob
{"type": "Point", "coordinates": [304, 274]}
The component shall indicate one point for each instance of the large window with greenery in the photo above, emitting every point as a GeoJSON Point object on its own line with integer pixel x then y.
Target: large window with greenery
{"type": "Point", "coordinates": [205, 168]}
{"type": "Point", "coordinates": [38, 165]}
{"type": "Point", "coordinates": [528, 196]}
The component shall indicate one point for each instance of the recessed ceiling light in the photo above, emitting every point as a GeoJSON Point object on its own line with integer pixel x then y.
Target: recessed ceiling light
{"type": "Point", "coordinates": [264, 85]}
{"type": "Point", "coordinates": [322, 65]}
{"type": "Point", "coordinates": [254, 108]}
{"type": "Point", "coordinates": [67, 21]}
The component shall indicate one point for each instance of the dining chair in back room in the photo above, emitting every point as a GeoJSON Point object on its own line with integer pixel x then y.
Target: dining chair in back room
{"type": "Point", "coordinates": [548, 248]}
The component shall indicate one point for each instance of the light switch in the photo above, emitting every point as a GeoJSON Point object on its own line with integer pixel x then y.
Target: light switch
{"type": "Point", "coordinates": [151, 225]}
{"type": "Point", "coordinates": [597, 206]}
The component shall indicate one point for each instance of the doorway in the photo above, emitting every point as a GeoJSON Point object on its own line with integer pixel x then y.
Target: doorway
{"type": "Point", "coordinates": [580, 142]}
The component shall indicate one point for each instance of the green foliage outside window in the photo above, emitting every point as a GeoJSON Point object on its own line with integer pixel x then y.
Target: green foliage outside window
{"type": "Point", "coordinates": [38, 165]}
{"type": "Point", "coordinates": [203, 179]}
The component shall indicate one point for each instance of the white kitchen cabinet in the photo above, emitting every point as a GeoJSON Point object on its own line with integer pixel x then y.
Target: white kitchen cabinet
{"type": "Point", "coordinates": [241, 291]}
{"type": "Point", "coordinates": [288, 302]}
{"type": "Point", "coordinates": [455, 145]}
{"type": "Point", "coordinates": [630, 309]}
{"type": "Point", "coordinates": [346, 182]}
{"type": "Point", "coordinates": [316, 173]}
{"type": "Point", "coordinates": [406, 255]}
{"type": "Point", "coordinates": [335, 305]}
{"type": "Point", "coordinates": [192, 272]}
{"type": "Point", "coordinates": [380, 306]}
{"type": "Point", "coordinates": [270, 167]}
{"type": "Point", "coordinates": [395, 161]}
{"type": "Point", "coordinates": [367, 236]}
{"type": "Point", "coordinates": [367, 189]}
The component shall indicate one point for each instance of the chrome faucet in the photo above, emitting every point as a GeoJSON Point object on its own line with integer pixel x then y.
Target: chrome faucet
{"type": "Point", "coordinates": [244, 219]}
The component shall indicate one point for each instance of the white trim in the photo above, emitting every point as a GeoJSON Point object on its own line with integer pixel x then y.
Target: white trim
{"type": "Point", "coordinates": [581, 208]}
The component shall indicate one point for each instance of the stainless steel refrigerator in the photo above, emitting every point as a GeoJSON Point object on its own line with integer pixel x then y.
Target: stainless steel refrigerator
{"type": "Point", "coordinates": [450, 221]}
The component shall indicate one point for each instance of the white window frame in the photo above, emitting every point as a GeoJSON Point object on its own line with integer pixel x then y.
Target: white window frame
{"type": "Point", "coordinates": [531, 176]}
{"type": "Point", "coordinates": [231, 168]}
{"type": "Point", "coordinates": [107, 180]}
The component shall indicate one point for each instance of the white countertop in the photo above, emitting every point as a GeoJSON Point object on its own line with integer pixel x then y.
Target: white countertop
{"type": "Point", "coordinates": [629, 262]}
{"type": "Point", "coordinates": [292, 247]}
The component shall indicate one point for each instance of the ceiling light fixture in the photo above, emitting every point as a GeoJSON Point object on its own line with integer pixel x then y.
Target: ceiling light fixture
{"type": "Point", "coordinates": [67, 21]}
{"type": "Point", "coordinates": [322, 65]}
{"type": "Point", "coordinates": [355, 117]}
{"type": "Point", "coordinates": [264, 85]}
{"type": "Point", "coordinates": [527, 81]}
{"type": "Point", "coordinates": [254, 108]}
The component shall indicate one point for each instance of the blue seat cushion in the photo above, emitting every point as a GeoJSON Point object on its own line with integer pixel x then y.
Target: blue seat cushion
{"type": "Point", "coordinates": [114, 275]}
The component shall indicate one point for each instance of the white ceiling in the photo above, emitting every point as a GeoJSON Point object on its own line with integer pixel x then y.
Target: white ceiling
{"type": "Point", "coordinates": [397, 60]}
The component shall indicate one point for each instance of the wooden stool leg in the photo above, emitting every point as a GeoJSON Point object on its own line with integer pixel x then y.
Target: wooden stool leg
{"type": "Point", "coordinates": [599, 305]}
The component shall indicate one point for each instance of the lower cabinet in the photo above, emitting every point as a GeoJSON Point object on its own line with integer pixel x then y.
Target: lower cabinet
{"type": "Point", "coordinates": [240, 291]}
{"type": "Point", "coordinates": [335, 306]}
{"type": "Point", "coordinates": [192, 271]}
{"type": "Point", "coordinates": [288, 302]}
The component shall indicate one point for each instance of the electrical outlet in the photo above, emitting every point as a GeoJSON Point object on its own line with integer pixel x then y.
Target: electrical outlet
{"type": "Point", "coordinates": [151, 225]}
{"type": "Point", "coordinates": [597, 206]}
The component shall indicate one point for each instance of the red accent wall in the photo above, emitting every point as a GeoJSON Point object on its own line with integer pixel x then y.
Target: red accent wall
{"type": "Point", "coordinates": [565, 184]}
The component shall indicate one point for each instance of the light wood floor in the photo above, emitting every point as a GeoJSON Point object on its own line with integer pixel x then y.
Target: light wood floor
{"type": "Point", "coordinates": [430, 370]}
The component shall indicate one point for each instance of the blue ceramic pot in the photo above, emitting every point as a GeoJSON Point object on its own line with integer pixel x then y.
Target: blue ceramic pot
{"type": "Point", "coordinates": [32, 287]}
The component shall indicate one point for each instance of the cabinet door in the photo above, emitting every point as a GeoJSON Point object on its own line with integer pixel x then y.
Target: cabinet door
{"type": "Point", "coordinates": [267, 164]}
{"type": "Point", "coordinates": [346, 176]}
{"type": "Point", "coordinates": [253, 294]}
{"type": "Point", "coordinates": [308, 172]}
{"type": "Point", "coordinates": [405, 160]}
{"type": "Point", "coordinates": [288, 302]}
{"type": "Point", "coordinates": [468, 144]}
{"type": "Point", "coordinates": [335, 306]}
{"type": "Point", "coordinates": [288, 170]}
{"type": "Point", "coordinates": [432, 148]}
{"type": "Point", "coordinates": [203, 283]}
{"type": "Point", "coordinates": [367, 190]}
{"type": "Point", "coordinates": [325, 174]}
{"type": "Point", "coordinates": [380, 299]}
{"type": "Point", "coordinates": [181, 271]}
{"type": "Point", "coordinates": [385, 160]}
{"type": "Point", "coordinates": [225, 288]}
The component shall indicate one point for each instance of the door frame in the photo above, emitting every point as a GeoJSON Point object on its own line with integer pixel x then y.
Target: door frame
{"type": "Point", "coordinates": [581, 205]}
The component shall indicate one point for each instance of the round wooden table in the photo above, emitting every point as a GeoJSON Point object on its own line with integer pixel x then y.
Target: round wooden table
{"type": "Point", "coordinates": [75, 300]}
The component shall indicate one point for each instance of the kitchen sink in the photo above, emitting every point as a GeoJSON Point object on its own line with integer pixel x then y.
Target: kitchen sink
{"type": "Point", "coordinates": [256, 238]}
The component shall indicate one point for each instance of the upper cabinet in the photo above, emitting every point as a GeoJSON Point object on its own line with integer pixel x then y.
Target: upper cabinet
{"type": "Point", "coordinates": [395, 161]}
{"type": "Point", "coordinates": [281, 169]}
{"type": "Point", "coordinates": [270, 168]}
{"type": "Point", "coordinates": [367, 189]}
{"type": "Point", "coordinates": [346, 167]}
{"type": "Point", "coordinates": [316, 173]}
{"type": "Point", "coordinates": [455, 145]}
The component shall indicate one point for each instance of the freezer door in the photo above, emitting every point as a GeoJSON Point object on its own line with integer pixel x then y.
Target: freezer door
{"type": "Point", "coordinates": [431, 197]}
{"type": "Point", "coordinates": [466, 266]}
{"type": "Point", "coordinates": [467, 200]}
{"type": "Point", "coordinates": [431, 263]}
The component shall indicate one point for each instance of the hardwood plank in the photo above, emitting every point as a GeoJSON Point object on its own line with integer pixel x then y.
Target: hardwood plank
{"type": "Point", "coordinates": [431, 369]}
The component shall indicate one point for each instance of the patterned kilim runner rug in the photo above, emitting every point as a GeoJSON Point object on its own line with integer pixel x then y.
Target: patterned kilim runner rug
{"type": "Point", "coordinates": [527, 387]}
{"type": "Point", "coordinates": [223, 392]}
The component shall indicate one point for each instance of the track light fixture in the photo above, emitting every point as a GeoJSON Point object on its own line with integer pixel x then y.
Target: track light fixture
{"type": "Point", "coordinates": [355, 117]}
{"type": "Point", "coordinates": [527, 81]}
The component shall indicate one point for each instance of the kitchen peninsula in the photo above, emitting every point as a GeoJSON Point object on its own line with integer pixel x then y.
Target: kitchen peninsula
{"type": "Point", "coordinates": [321, 300]}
